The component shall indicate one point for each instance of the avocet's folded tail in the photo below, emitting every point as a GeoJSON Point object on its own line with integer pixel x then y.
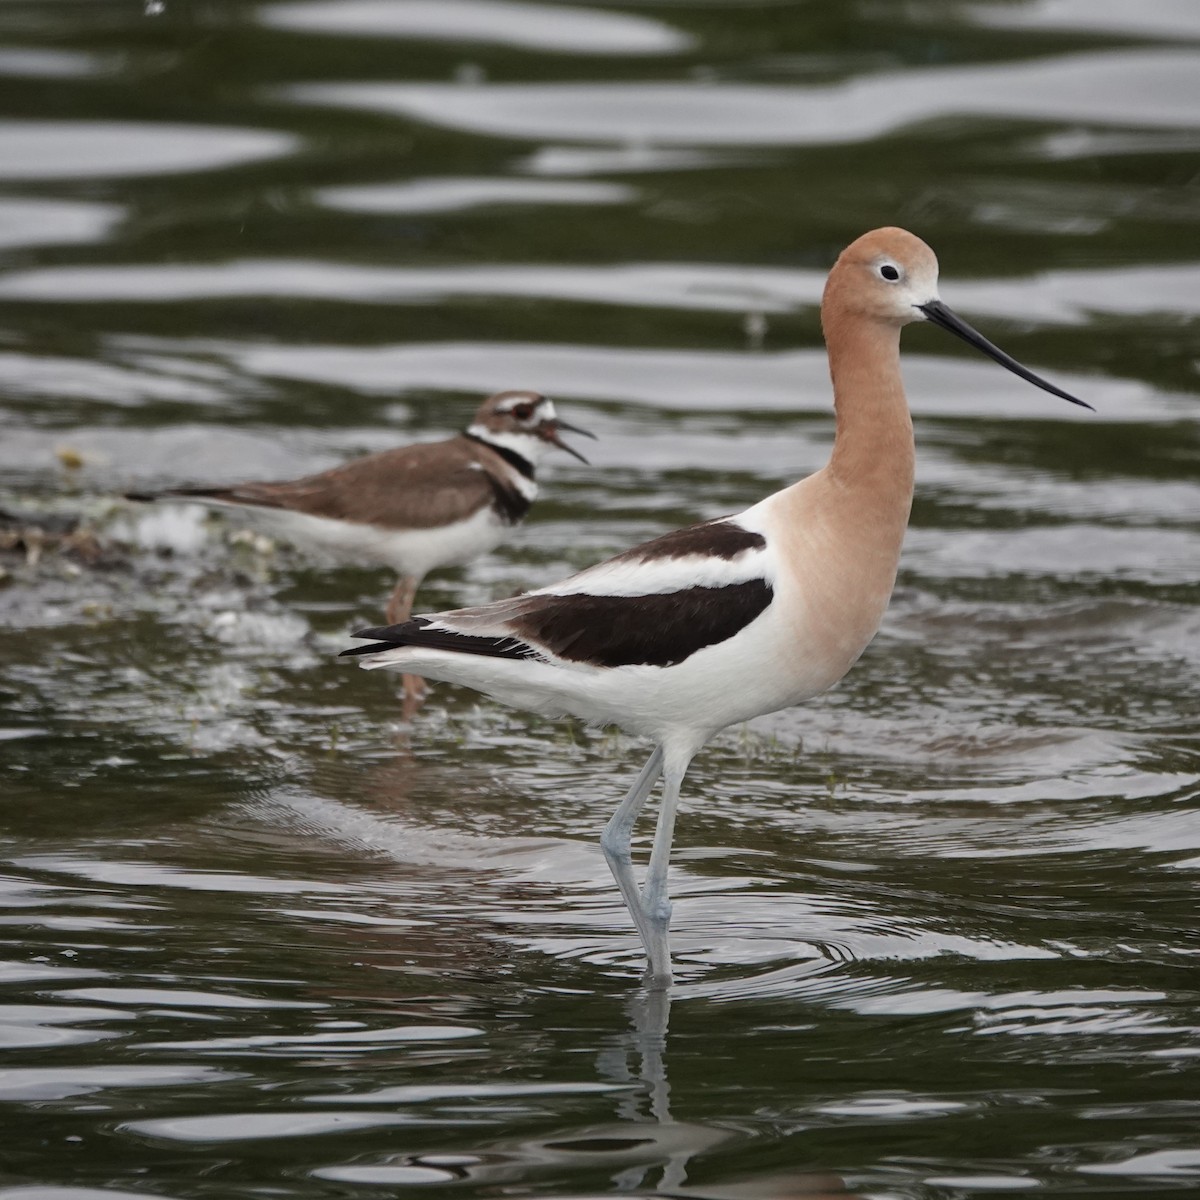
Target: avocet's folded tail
{"type": "Point", "coordinates": [427, 633]}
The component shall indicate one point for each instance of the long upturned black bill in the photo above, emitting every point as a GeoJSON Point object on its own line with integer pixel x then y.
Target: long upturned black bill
{"type": "Point", "coordinates": [941, 316]}
{"type": "Point", "coordinates": [548, 430]}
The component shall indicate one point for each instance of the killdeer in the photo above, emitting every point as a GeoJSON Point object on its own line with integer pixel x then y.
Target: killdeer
{"type": "Point", "coordinates": [699, 629]}
{"type": "Point", "coordinates": [414, 508]}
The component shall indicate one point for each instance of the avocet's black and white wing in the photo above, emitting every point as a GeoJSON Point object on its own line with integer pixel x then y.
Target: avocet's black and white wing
{"type": "Point", "coordinates": [655, 605]}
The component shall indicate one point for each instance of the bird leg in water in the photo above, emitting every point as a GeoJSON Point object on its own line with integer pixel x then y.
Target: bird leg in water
{"type": "Point", "coordinates": [399, 609]}
{"type": "Point", "coordinates": [614, 841]}
{"type": "Point", "coordinates": [655, 903]}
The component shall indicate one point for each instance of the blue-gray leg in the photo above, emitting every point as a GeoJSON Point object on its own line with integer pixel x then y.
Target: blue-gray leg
{"type": "Point", "coordinates": [656, 904]}
{"type": "Point", "coordinates": [614, 841]}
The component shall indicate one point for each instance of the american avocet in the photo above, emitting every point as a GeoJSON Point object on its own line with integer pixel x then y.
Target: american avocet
{"type": "Point", "coordinates": [414, 508]}
{"type": "Point", "coordinates": [710, 625]}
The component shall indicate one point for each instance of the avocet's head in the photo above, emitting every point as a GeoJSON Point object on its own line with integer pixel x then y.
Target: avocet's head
{"type": "Point", "coordinates": [524, 422]}
{"type": "Point", "coordinates": [889, 275]}
{"type": "Point", "coordinates": [884, 275]}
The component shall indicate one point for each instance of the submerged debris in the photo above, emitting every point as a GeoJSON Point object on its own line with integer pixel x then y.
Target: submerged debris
{"type": "Point", "coordinates": [29, 536]}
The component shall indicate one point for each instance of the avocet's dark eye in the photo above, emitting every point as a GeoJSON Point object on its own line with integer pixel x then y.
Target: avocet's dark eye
{"type": "Point", "coordinates": [523, 412]}
{"type": "Point", "coordinates": [889, 272]}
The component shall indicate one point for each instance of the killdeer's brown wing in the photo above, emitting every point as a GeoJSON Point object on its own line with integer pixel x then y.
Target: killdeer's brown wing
{"type": "Point", "coordinates": [424, 486]}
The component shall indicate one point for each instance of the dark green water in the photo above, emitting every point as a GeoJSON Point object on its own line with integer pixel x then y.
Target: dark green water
{"type": "Point", "coordinates": [936, 933]}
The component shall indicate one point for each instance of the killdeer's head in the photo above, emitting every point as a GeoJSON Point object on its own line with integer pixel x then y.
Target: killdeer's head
{"type": "Point", "coordinates": [523, 422]}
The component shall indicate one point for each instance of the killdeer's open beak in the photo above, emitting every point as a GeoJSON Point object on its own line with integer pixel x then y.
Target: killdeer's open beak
{"type": "Point", "coordinates": [941, 316]}
{"type": "Point", "coordinates": [548, 431]}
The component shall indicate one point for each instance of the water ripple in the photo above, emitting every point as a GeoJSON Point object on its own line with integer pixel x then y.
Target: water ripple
{"type": "Point", "coordinates": [41, 221]}
{"type": "Point", "coordinates": [63, 1083]}
{"type": "Point", "coordinates": [540, 27]}
{"type": "Point", "coordinates": [98, 149]}
{"type": "Point", "coordinates": [260, 1126]}
{"type": "Point", "coordinates": [462, 194]}
{"type": "Point", "coordinates": [1066, 297]}
{"type": "Point", "coordinates": [692, 381]}
{"type": "Point", "coordinates": [1164, 18]}
{"type": "Point", "coordinates": [1126, 88]}
{"type": "Point", "coordinates": [351, 1041]}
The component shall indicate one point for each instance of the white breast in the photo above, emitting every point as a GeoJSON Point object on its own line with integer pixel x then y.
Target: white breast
{"type": "Point", "coordinates": [413, 552]}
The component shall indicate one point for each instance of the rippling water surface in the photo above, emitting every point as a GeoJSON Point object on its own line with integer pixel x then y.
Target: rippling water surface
{"type": "Point", "coordinates": [936, 932]}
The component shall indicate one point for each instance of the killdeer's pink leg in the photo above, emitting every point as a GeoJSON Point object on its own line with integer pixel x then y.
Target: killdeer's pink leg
{"type": "Point", "coordinates": [399, 609]}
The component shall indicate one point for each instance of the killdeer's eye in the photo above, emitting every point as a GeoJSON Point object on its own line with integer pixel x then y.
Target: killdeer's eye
{"type": "Point", "coordinates": [523, 412]}
{"type": "Point", "coordinates": [889, 272]}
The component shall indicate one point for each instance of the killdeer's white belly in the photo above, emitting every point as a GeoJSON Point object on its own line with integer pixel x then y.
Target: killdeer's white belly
{"type": "Point", "coordinates": [412, 552]}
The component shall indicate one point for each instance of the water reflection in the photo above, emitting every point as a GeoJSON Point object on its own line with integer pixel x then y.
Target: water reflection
{"type": "Point", "coordinates": [40, 1084]}
{"type": "Point", "coordinates": [1151, 88]}
{"type": "Point", "coordinates": [540, 27]}
{"type": "Point", "coordinates": [1165, 18]}
{"type": "Point", "coordinates": [644, 1151]}
{"type": "Point", "coordinates": [33, 63]}
{"type": "Point", "coordinates": [789, 382]}
{"type": "Point", "coordinates": [1068, 297]}
{"type": "Point", "coordinates": [1155, 1163]}
{"type": "Point", "coordinates": [74, 1193]}
{"type": "Point", "coordinates": [462, 194]}
{"type": "Point", "coordinates": [636, 157]}
{"type": "Point", "coordinates": [33, 222]}
{"type": "Point", "coordinates": [99, 149]}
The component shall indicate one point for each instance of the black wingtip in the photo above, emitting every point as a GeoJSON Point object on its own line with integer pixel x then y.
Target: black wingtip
{"type": "Point", "coordinates": [390, 633]}
{"type": "Point", "coordinates": [383, 637]}
{"type": "Point", "coordinates": [141, 497]}
{"type": "Point", "coordinates": [373, 648]}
